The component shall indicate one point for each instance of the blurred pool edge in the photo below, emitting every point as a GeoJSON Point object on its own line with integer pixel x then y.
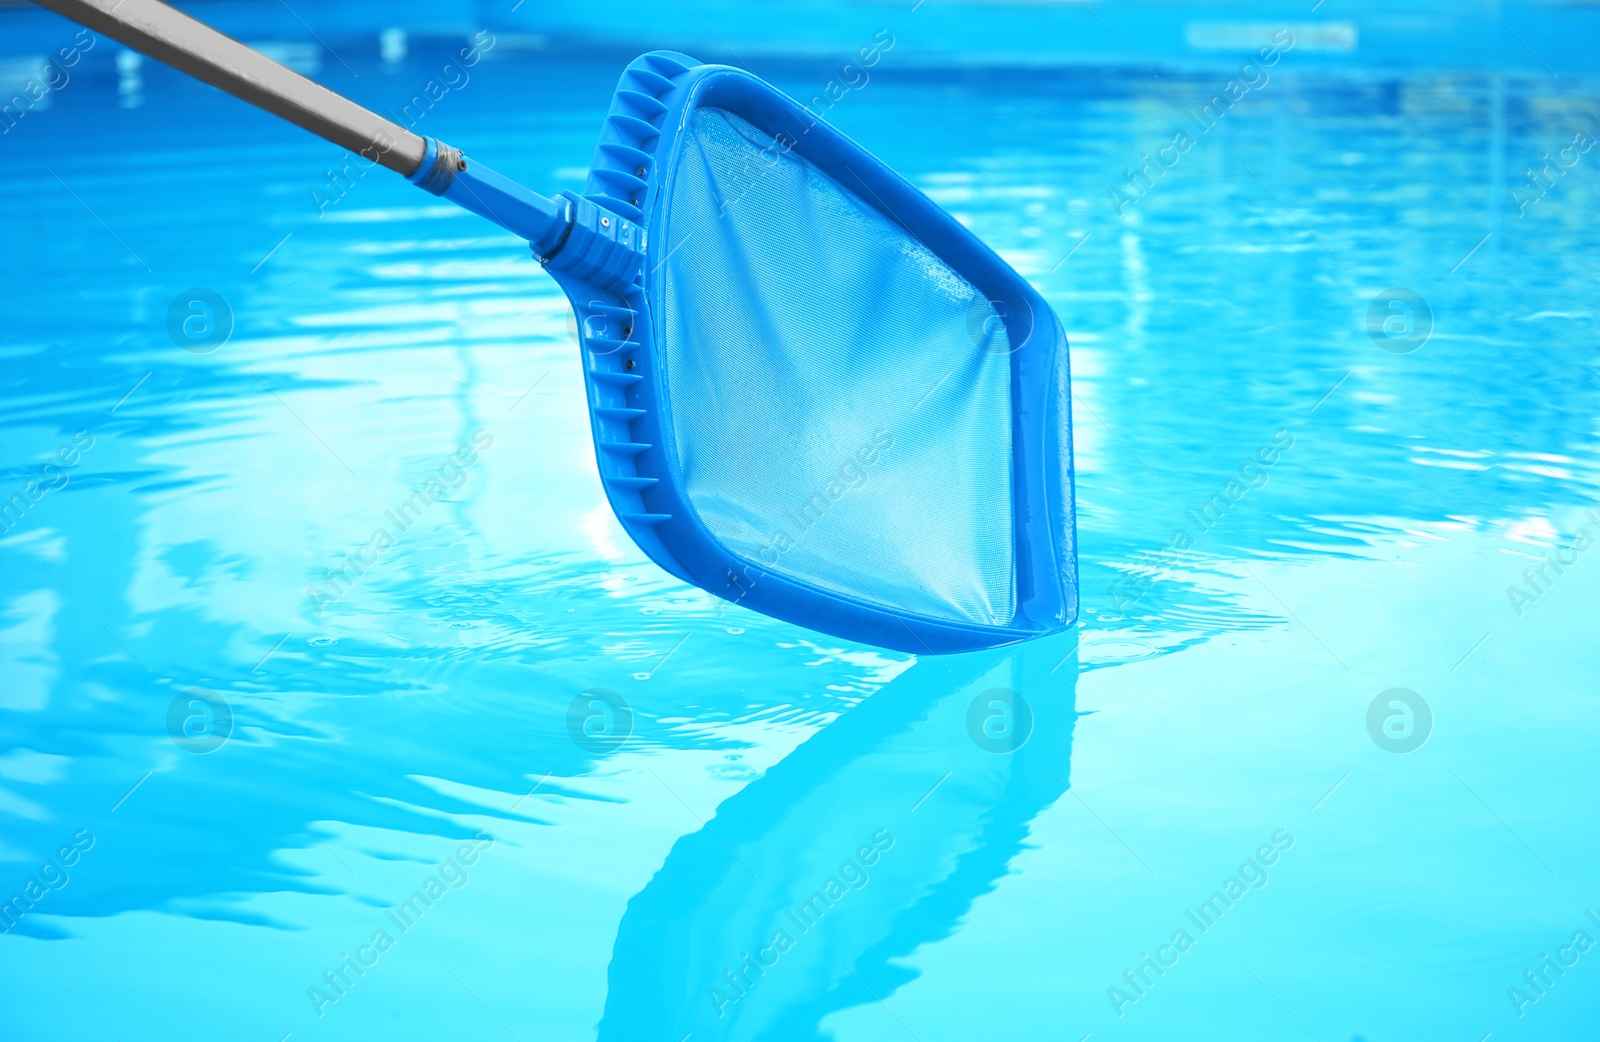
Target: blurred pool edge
{"type": "Point", "coordinates": [1545, 37]}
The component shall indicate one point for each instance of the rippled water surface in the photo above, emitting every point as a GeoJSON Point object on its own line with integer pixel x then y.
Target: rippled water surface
{"type": "Point", "coordinates": [1283, 517]}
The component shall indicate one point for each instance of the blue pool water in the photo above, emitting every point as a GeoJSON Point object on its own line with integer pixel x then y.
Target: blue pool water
{"type": "Point", "coordinates": [1285, 513]}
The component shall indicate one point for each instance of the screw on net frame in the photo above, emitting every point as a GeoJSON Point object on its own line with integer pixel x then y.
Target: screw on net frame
{"type": "Point", "coordinates": [812, 391]}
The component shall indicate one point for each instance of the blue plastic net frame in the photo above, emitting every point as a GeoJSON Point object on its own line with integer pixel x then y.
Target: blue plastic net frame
{"type": "Point", "coordinates": [630, 389]}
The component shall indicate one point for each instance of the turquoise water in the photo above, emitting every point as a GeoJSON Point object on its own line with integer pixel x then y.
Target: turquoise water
{"type": "Point", "coordinates": [1285, 513]}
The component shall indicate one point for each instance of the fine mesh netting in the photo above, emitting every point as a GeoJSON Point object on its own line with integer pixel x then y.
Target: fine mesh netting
{"type": "Point", "coordinates": [840, 398]}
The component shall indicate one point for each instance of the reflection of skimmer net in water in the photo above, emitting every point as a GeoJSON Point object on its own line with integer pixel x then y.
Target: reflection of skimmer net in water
{"type": "Point", "coordinates": [809, 890]}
